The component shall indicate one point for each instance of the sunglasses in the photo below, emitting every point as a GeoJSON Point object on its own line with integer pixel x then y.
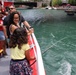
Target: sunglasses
{"type": "Point", "coordinates": [11, 8]}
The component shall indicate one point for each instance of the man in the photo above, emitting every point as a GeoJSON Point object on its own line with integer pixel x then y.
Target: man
{"type": "Point", "coordinates": [22, 20]}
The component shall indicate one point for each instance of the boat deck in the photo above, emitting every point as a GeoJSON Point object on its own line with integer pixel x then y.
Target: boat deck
{"type": "Point", "coordinates": [4, 64]}
{"type": "Point", "coordinates": [37, 67]}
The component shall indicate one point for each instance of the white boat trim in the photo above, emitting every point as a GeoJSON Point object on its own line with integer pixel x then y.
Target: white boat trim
{"type": "Point", "coordinates": [40, 65]}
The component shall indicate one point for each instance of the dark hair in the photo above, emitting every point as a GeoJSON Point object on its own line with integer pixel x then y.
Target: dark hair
{"type": "Point", "coordinates": [19, 37]}
{"type": "Point", "coordinates": [11, 18]}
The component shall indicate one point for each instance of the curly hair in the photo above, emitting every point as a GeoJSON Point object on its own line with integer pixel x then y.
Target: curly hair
{"type": "Point", "coordinates": [19, 37]}
{"type": "Point", "coordinates": [11, 18]}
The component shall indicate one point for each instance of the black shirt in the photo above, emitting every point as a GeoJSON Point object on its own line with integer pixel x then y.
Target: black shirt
{"type": "Point", "coordinates": [7, 23]}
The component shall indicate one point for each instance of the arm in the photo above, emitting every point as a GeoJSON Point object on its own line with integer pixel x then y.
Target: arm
{"type": "Point", "coordinates": [1, 24]}
{"type": "Point", "coordinates": [4, 30]}
{"type": "Point", "coordinates": [27, 25]}
{"type": "Point", "coordinates": [28, 57]}
{"type": "Point", "coordinates": [12, 28]}
{"type": "Point", "coordinates": [30, 29]}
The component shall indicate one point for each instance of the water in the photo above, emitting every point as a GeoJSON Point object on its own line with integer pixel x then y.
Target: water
{"type": "Point", "coordinates": [56, 34]}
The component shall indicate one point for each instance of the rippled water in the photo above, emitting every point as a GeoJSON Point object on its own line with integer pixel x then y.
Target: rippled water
{"type": "Point", "coordinates": [56, 34]}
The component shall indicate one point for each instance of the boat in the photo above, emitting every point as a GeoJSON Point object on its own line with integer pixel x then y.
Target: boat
{"type": "Point", "coordinates": [37, 65]}
{"type": "Point", "coordinates": [48, 7]}
{"type": "Point", "coordinates": [70, 11]}
{"type": "Point", "coordinates": [54, 8]}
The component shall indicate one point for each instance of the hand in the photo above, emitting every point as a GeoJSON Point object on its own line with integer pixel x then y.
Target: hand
{"type": "Point", "coordinates": [6, 36]}
{"type": "Point", "coordinates": [33, 58]}
{"type": "Point", "coordinates": [31, 30]}
{"type": "Point", "coordinates": [1, 24]}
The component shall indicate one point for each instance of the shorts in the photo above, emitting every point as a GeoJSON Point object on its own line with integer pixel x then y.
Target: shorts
{"type": "Point", "coordinates": [2, 37]}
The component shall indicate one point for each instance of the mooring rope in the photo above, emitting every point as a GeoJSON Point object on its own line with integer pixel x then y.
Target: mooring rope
{"type": "Point", "coordinates": [53, 45]}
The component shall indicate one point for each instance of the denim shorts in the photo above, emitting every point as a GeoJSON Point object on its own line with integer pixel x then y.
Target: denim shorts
{"type": "Point", "coordinates": [2, 37]}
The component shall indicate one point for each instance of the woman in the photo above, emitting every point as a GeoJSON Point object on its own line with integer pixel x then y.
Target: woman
{"type": "Point", "coordinates": [6, 21]}
{"type": "Point", "coordinates": [14, 22]}
{"type": "Point", "coordinates": [20, 53]}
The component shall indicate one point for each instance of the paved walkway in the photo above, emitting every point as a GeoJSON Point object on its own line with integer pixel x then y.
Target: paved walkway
{"type": "Point", "coordinates": [4, 64]}
{"type": "Point", "coordinates": [65, 7]}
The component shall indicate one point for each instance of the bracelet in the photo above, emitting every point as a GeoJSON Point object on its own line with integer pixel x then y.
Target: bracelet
{"type": "Point", "coordinates": [30, 27]}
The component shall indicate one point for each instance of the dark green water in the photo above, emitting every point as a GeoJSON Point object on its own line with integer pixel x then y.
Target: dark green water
{"type": "Point", "coordinates": [56, 34]}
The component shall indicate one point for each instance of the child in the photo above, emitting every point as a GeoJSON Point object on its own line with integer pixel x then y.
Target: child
{"type": "Point", "coordinates": [20, 53]}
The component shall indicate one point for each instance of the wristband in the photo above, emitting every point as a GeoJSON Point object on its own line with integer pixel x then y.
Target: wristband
{"type": "Point", "coordinates": [30, 27]}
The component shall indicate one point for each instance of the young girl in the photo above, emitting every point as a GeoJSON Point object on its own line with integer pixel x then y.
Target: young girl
{"type": "Point", "coordinates": [20, 53]}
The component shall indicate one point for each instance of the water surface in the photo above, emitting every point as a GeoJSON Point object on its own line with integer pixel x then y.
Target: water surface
{"type": "Point", "coordinates": [56, 34]}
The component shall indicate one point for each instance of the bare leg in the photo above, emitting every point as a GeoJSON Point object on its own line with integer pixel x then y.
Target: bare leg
{"type": "Point", "coordinates": [3, 46]}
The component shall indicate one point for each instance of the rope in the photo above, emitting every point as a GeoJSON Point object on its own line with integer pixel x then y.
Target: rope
{"type": "Point", "coordinates": [53, 45]}
{"type": "Point", "coordinates": [33, 63]}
